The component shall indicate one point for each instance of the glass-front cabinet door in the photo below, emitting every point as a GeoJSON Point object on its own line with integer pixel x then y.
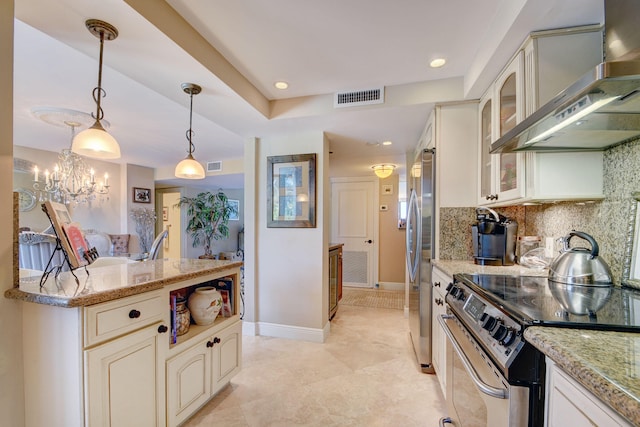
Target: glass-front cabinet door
{"type": "Point", "coordinates": [486, 177]}
{"type": "Point", "coordinates": [509, 110]}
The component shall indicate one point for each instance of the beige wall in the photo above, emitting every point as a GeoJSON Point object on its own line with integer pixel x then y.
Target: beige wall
{"type": "Point", "coordinates": [391, 265]}
{"type": "Point", "coordinates": [11, 363]}
{"type": "Point", "coordinates": [291, 292]}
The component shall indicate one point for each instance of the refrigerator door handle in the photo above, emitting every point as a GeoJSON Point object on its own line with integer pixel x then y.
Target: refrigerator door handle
{"type": "Point", "coordinates": [412, 235]}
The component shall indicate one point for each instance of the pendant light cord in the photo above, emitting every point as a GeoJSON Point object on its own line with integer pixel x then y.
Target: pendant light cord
{"type": "Point", "coordinates": [192, 148]}
{"type": "Point", "coordinates": [98, 92]}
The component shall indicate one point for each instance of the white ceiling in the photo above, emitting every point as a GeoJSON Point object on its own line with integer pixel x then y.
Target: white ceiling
{"type": "Point", "coordinates": [236, 50]}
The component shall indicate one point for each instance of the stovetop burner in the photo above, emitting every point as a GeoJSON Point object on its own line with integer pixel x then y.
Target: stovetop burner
{"type": "Point", "coordinates": [532, 301]}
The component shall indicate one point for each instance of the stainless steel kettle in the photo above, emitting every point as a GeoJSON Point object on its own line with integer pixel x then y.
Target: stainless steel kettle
{"type": "Point", "coordinates": [580, 266]}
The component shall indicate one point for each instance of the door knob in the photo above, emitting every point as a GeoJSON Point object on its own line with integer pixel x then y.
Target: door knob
{"type": "Point", "coordinates": [368, 241]}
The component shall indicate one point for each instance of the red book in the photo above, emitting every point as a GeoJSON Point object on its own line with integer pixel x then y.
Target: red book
{"type": "Point", "coordinates": [77, 243]}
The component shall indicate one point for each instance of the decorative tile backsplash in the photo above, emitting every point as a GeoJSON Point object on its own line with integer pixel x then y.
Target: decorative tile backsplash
{"type": "Point", "coordinates": [606, 221]}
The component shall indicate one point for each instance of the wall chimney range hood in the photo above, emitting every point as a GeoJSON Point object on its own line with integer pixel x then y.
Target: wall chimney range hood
{"type": "Point", "coordinates": [599, 110]}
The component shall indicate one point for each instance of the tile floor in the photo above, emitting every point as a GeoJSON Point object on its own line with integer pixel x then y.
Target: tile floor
{"type": "Point", "coordinates": [365, 374]}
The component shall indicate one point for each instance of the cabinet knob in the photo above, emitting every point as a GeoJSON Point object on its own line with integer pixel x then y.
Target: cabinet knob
{"type": "Point", "coordinates": [437, 284]}
{"type": "Point", "coordinates": [213, 342]}
{"type": "Point", "coordinates": [491, 197]}
{"type": "Point", "coordinates": [134, 314]}
{"type": "Point", "coordinates": [162, 329]}
{"type": "Point", "coordinates": [439, 301]}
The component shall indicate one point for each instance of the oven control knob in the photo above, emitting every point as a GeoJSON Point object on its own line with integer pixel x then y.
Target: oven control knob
{"type": "Point", "coordinates": [449, 286]}
{"type": "Point", "coordinates": [509, 338]}
{"type": "Point", "coordinates": [454, 291]}
{"type": "Point", "coordinates": [488, 321]}
{"type": "Point", "coordinates": [500, 332]}
{"type": "Point", "coordinates": [461, 295]}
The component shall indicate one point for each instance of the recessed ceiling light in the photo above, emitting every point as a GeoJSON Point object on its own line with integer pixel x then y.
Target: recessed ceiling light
{"type": "Point", "coordinates": [281, 85]}
{"type": "Point", "coordinates": [437, 63]}
{"type": "Point", "coordinates": [387, 142]}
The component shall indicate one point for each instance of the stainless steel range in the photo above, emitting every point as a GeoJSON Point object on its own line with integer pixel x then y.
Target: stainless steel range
{"type": "Point", "coordinates": [496, 378]}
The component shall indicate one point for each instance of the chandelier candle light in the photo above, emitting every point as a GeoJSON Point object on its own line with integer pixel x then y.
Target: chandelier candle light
{"type": "Point", "coordinates": [190, 168]}
{"type": "Point", "coordinates": [72, 180]}
{"type": "Point", "coordinates": [95, 141]}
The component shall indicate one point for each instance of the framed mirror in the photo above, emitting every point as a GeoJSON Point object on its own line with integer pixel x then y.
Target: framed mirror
{"type": "Point", "coordinates": [631, 261]}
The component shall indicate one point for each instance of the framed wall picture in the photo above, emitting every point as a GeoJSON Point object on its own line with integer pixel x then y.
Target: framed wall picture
{"type": "Point", "coordinates": [291, 191]}
{"type": "Point", "coordinates": [141, 195]}
{"type": "Point", "coordinates": [235, 204]}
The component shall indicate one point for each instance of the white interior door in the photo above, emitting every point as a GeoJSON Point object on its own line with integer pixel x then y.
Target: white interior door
{"type": "Point", "coordinates": [354, 223]}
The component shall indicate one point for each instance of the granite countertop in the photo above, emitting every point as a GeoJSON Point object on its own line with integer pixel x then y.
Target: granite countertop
{"type": "Point", "coordinates": [112, 282]}
{"type": "Point", "coordinates": [606, 363]}
{"type": "Point", "coordinates": [453, 267]}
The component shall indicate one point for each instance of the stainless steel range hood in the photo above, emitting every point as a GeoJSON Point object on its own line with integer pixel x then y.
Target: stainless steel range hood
{"type": "Point", "coordinates": [599, 110]}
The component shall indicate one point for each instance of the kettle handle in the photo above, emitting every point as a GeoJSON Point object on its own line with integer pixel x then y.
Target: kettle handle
{"type": "Point", "coordinates": [594, 245]}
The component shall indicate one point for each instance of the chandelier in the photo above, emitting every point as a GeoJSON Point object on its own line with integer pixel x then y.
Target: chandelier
{"type": "Point", "coordinates": [72, 180]}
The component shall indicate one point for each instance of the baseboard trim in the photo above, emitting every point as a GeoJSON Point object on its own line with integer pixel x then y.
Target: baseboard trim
{"type": "Point", "coordinates": [293, 332]}
{"type": "Point", "coordinates": [249, 328]}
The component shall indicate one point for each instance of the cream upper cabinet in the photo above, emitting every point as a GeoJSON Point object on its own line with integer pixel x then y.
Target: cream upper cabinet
{"type": "Point", "coordinates": [540, 69]}
{"type": "Point", "coordinates": [502, 175]}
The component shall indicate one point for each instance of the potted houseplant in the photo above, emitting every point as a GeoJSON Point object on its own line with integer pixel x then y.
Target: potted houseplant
{"type": "Point", "coordinates": [208, 218]}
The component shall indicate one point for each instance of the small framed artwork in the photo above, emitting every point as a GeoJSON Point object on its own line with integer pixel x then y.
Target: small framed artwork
{"type": "Point", "coordinates": [235, 204]}
{"type": "Point", "coordinates": [387, 189]}
{"type": "Point", "coordinates": [141, 195]}
{"type": "Point", "coordinates": [291, 191]}
{"type": "Point", "coordinates": [165, 213]}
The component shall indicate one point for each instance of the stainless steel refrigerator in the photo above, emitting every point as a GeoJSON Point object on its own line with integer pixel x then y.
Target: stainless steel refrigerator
{"type": "Point", "coordinates": [420, 251]}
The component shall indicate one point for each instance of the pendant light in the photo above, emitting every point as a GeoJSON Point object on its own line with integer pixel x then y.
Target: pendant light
{"type": "Point", "coordinates": [95, 141]}
{"type": "Point", "coordinates": [190, 168]}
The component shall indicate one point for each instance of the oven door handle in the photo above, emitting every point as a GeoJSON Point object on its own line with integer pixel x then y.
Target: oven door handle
{"type": "Point", "coordinates": [499, 393]}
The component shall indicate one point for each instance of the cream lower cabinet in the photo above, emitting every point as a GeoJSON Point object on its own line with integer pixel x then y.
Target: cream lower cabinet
{"type": "Point", "coordinates": [196, 374]}
{"type": "Point", "coordinates": [125, 381]}
{"type": "Point", "coordinates": [439, 281]}
{"type": "Point", "coordinates": [99, 365]}
{"type": "Point", "coordinates": [569, 404]}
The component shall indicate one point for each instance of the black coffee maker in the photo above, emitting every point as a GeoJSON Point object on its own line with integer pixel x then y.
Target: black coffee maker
{"type": "Point", "coordinates": [494, 238]}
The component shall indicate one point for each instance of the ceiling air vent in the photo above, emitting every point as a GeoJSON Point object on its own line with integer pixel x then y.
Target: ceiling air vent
{"type": "Point", "coordinates": [360, 97]}
{"type": "Point", "coordinates": [214, 166]}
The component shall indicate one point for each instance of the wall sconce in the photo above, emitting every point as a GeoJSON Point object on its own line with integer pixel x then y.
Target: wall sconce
{"type": "Point", "coordinates": [190, 168]}
{"type": "Point", "coordinates": [95, 141]}
{"type": "Point", "coordinates": [383, 170]}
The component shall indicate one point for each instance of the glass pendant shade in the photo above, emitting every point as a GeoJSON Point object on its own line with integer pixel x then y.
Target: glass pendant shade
{"type": "Point", "coordinates": [96, 142]}
{"type": "Point", "coordinates": [189, 168]}
{"type": "Point", "coordinates": [383, 171]}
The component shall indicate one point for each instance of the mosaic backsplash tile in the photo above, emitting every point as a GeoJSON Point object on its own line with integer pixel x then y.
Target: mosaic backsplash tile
{"type": "Point", "coordinates": [606, 221]}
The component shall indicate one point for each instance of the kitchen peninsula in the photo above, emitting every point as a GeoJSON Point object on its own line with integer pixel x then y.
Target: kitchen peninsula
{"type": "Point", "coordinates": [101, 351]}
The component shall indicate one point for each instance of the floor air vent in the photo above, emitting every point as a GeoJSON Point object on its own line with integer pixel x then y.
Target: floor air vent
{"type": "Point", "coordinates": [360, 97]}
{"type": "Point", "coordinates": [214, 166]}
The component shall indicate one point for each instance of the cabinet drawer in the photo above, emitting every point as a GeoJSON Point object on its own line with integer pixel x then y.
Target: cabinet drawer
{"type": "Point", "coordinates": [114, 318]}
